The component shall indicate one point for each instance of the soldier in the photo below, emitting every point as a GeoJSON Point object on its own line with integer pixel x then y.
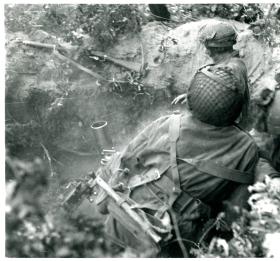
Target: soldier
{"type": "Point", "coordinates": [219, 38]}
{"type": "Point", "coordinates": [266, 132]}
{"type": "Point", "coordinates": [181, 168]}
{"type": "Point", "coordinates": [273, 122]}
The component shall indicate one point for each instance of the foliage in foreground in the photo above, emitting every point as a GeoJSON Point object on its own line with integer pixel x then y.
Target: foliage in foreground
{"type": "Point", "coordinates": [256, 233]}
{"type": "Point", "coordinates": [36, 228]}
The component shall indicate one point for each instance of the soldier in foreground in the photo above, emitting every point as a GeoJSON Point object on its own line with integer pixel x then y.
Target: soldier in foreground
{"type": "Point", "coordinates": [180, 168]}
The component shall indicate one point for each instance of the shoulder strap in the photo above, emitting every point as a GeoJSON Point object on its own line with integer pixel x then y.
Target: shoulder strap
{"type": "Point", "coordinates": [174, 131]}
{"type": "Point", "coordinates": [213, 76]}
{"type": "Point", "coordinates": [205, 65]}
{"type": "Point", "coordinates": [219, 171]}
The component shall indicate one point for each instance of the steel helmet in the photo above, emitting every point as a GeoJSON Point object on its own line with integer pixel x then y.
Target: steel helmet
{"type": "Point", "coordinates": [214, 96]}
{"type": "Point", "coordinates": [218, 34]}
{"type": "Point", "coordinates": [273, 118]}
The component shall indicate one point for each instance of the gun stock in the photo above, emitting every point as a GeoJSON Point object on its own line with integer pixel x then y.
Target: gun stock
{"type": "Point", "coordinates": [127, 208]}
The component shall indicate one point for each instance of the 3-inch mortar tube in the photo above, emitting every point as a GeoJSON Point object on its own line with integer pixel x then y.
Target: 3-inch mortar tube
{"type": "Point", "coordinates": [100, 129]}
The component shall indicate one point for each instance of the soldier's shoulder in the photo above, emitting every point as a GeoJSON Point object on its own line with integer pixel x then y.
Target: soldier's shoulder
{"type": "Point", "coordinates": [247, 137]}
{"type": "Point", "coordinates": [237, 66]}
{"type": "Point", "coordinates": [237, 60]}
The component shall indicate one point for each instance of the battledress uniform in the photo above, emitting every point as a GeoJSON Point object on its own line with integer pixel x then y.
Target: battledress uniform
{"type": "Point", "coordinates": [212, 162]}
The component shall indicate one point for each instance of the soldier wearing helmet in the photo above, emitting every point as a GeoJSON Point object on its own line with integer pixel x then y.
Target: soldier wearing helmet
{"type": "Point", "coordinates": [219, 37]}
{"type": "Point", "coordinates": [200, 158]}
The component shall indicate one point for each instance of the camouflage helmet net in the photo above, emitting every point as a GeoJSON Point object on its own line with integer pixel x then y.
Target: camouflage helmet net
{"type": "Point", "coordinates": [217, 34]}
{"type": "Point", "coordinates": [214, 96]}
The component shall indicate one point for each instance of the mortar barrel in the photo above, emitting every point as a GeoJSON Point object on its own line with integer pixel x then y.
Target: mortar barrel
{"type": "Point", "coordinates": [100, 130]}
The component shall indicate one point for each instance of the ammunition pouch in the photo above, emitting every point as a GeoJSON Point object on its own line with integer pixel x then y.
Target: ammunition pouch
{"type": "Point", "coordinates": [188, 208]}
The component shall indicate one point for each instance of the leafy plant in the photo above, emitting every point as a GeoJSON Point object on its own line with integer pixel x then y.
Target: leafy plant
{"type": "Point", "coordinates": [104, 24]}
{"type": "Point", "coordinates": [240, 12]}
{"type": "Point", "coordinates": [254, 232]}
{"type": "Point", "coordinates": [35, 230]}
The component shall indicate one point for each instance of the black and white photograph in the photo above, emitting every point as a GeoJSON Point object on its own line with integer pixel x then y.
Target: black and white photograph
{"type": "Point", "coordinates": [141, 130]}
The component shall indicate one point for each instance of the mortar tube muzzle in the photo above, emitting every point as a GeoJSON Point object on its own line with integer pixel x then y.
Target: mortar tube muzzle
{"type": "Point", "coordinates": [101, 133]}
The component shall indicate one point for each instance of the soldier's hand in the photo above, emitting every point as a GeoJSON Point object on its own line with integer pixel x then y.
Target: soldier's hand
{"type": "Point", "coordinates": [181, 98]}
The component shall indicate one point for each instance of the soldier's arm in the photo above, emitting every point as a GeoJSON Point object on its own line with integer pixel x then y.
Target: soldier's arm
{"type": "Point", "coordinates": [264, 168]}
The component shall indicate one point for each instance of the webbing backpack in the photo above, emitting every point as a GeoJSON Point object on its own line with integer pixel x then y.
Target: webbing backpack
{"type": "Point", "coordinates": [161, 196]}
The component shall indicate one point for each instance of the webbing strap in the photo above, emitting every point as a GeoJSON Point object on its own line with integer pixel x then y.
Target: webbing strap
{"type": "Point", "coordinates": [184, 201]}
{"type": "Point", "coordinates": [174, 130]}
{"type": "Point", "coordinates": [219, 171]}
{"type": "Point", "coordinates": [139, 180]}
{"type": "Point", "coordinates": [213, 76]}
